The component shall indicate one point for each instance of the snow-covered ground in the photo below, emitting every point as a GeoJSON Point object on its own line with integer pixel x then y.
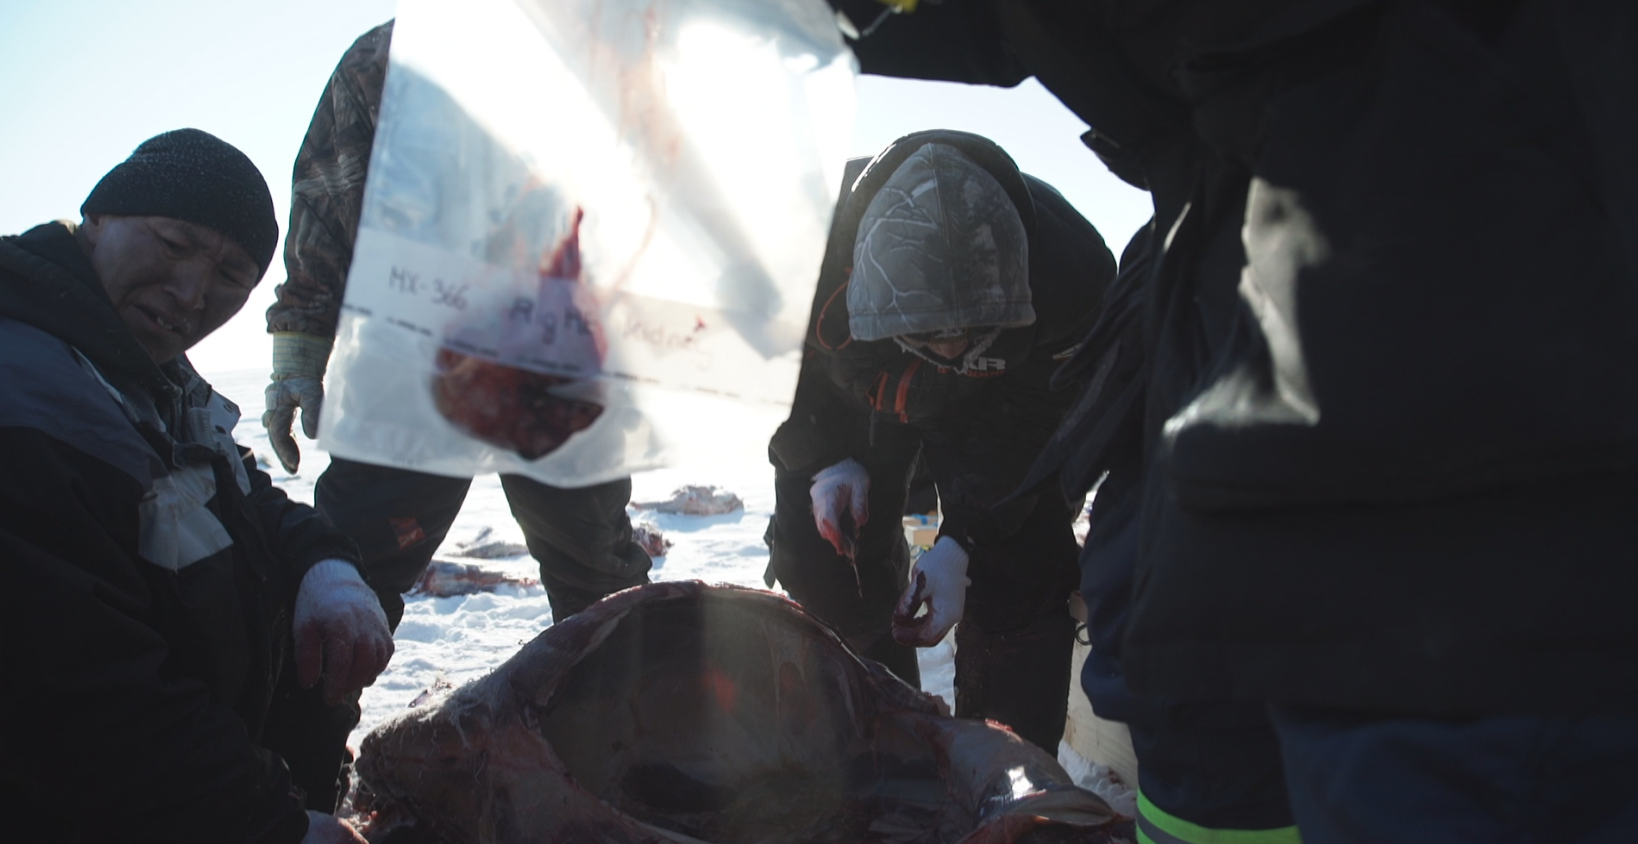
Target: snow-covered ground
{"type": "Point", "coordinates": [448, 641]}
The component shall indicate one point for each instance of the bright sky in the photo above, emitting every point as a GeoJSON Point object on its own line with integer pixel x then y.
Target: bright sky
{"type": "Point", "coordinates": [89, 80]}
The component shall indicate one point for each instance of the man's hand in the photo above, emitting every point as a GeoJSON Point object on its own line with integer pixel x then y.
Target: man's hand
{"type": "Point", "coordinates": [298, 381]}
{"type": "Point", "coordinates": [841, 504]}
{"type": "Point", "coordinates": [329, 829]}
{"type": "Point", "coordinates": [341, 631]}
{"type": "Point", "coordinates": [939, 582]}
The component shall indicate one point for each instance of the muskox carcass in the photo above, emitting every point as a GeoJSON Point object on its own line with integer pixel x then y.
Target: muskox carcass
{"type": "Point", "coordinates": [680, 712]}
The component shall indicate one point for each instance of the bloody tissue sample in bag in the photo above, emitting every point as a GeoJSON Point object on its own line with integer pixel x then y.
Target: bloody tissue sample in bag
{"type": "Point", "coordinates": [508, 407]}
{"type": "Point", "coordinates": [518, 409]}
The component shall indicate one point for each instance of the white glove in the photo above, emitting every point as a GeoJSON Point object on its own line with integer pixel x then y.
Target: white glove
{"type": "Point", "coordinates": [341, 631]}
{"type": "Point", "coordinates": [938, 581]}
{"type": "Point", "coordinates": [329, 829]}
{"type": "Point", "coordinates": [841, 504]}
{"type": "Point", "coordinates": [298, 381]}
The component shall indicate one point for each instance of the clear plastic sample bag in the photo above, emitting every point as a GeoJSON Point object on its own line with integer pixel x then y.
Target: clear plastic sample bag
{"type": "Point", "coordinates": [582, 215]}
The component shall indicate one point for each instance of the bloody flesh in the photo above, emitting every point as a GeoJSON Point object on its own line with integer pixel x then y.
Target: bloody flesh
{"type": "Point", "coordinates": [678, 712]}
{"type": "Point", "coordinates": [517, 409]}
{"type": "Point", "coordinates": [508, 407]}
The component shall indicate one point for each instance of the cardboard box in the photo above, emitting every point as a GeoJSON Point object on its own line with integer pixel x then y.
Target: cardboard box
{"type": "Point", "coordinates": [921, 531]}
{"type": "Point", "coordinates": [1104, 742]}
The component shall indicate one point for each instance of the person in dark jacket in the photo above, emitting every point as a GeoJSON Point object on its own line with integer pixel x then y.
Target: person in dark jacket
{"type": "Point", "coordinates": [1207, 765]}
{"type": "Point", "coordinates": [1377, 363]}
{"type": "Point", "coordinates": [165, 583]}
{"type": "Point", "coordinates": [952, 290]}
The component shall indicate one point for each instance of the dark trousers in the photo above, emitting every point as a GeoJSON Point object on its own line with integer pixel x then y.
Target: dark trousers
{"type": "Point", "coordinates": [580, 537]}
{"type": "Point", "coordinates": [1363, 777]}
{"type": "Point", "coordinates": [859, 606]}
{"type": "Point", "coordinates": [1208, 770]}
{"type": "Point", "coordinates": [1015, 643]}
{"type": "Point", "coordinates": [1198, 783]}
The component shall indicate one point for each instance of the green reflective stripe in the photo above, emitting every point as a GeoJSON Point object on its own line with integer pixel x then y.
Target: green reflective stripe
{"type": "Point", "coordinates": [1156, 827]}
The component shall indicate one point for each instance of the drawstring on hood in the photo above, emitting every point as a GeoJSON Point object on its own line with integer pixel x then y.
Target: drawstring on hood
{"type": "Point", "coordinates": [978, 345]}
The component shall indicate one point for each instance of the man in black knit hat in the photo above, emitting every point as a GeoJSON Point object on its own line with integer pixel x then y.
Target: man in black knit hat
{"type": "Point", "coordinates": [167, 583]}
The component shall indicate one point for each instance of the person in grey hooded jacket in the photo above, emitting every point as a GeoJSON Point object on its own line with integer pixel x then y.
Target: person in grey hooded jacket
{"type": "Point", "coordinates": [952, 290]}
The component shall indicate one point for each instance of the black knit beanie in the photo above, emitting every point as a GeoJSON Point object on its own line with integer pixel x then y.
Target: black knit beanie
{"type": "Point", "coordinates": [198, 178]}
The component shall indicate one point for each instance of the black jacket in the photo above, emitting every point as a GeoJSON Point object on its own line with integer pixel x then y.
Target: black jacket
{"type": "Point", "coordinates": [154, 569]}
{"type": "Point", "coordinates": [981, 430]}
{"type": "Point", "coordinates": [1390, 411]}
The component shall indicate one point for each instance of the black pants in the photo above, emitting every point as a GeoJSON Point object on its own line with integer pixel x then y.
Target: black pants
{"type": "Point", "coordinates": [1199, 782]}
{"type": "Point", "coordinates": [1208, 770]}
{"type": "Point", "coordinates": [824, 582]}
{"type": "Point", "coordinates": [581, 538]}
{"type": "Point", "coordinates": [1014, 645]}
{"type": "Point", "coordinates": [1360, 777]}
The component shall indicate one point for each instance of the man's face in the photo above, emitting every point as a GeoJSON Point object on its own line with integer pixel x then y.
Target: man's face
{"type": "Point", "coordinates": [172, 282]}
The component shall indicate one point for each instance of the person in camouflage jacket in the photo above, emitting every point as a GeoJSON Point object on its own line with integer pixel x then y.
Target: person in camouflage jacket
{"type": "Point", "coordinates": [582, 538]}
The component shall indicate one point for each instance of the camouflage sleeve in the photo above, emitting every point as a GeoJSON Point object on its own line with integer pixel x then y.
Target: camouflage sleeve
{"type": "Point", "coordinates": [327, 190]}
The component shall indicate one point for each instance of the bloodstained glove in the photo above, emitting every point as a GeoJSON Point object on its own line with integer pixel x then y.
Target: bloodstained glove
{"type": "Point", "coordinates": [841, 504]}
{"type": "Point", "coordinates": [341, 631]}
{"type": "Point", "coordinates": [328, 829]}
{"type": "Point", "coordinates": [298, 381]}
{"type": "Point", "coordinates": [939, 582]}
